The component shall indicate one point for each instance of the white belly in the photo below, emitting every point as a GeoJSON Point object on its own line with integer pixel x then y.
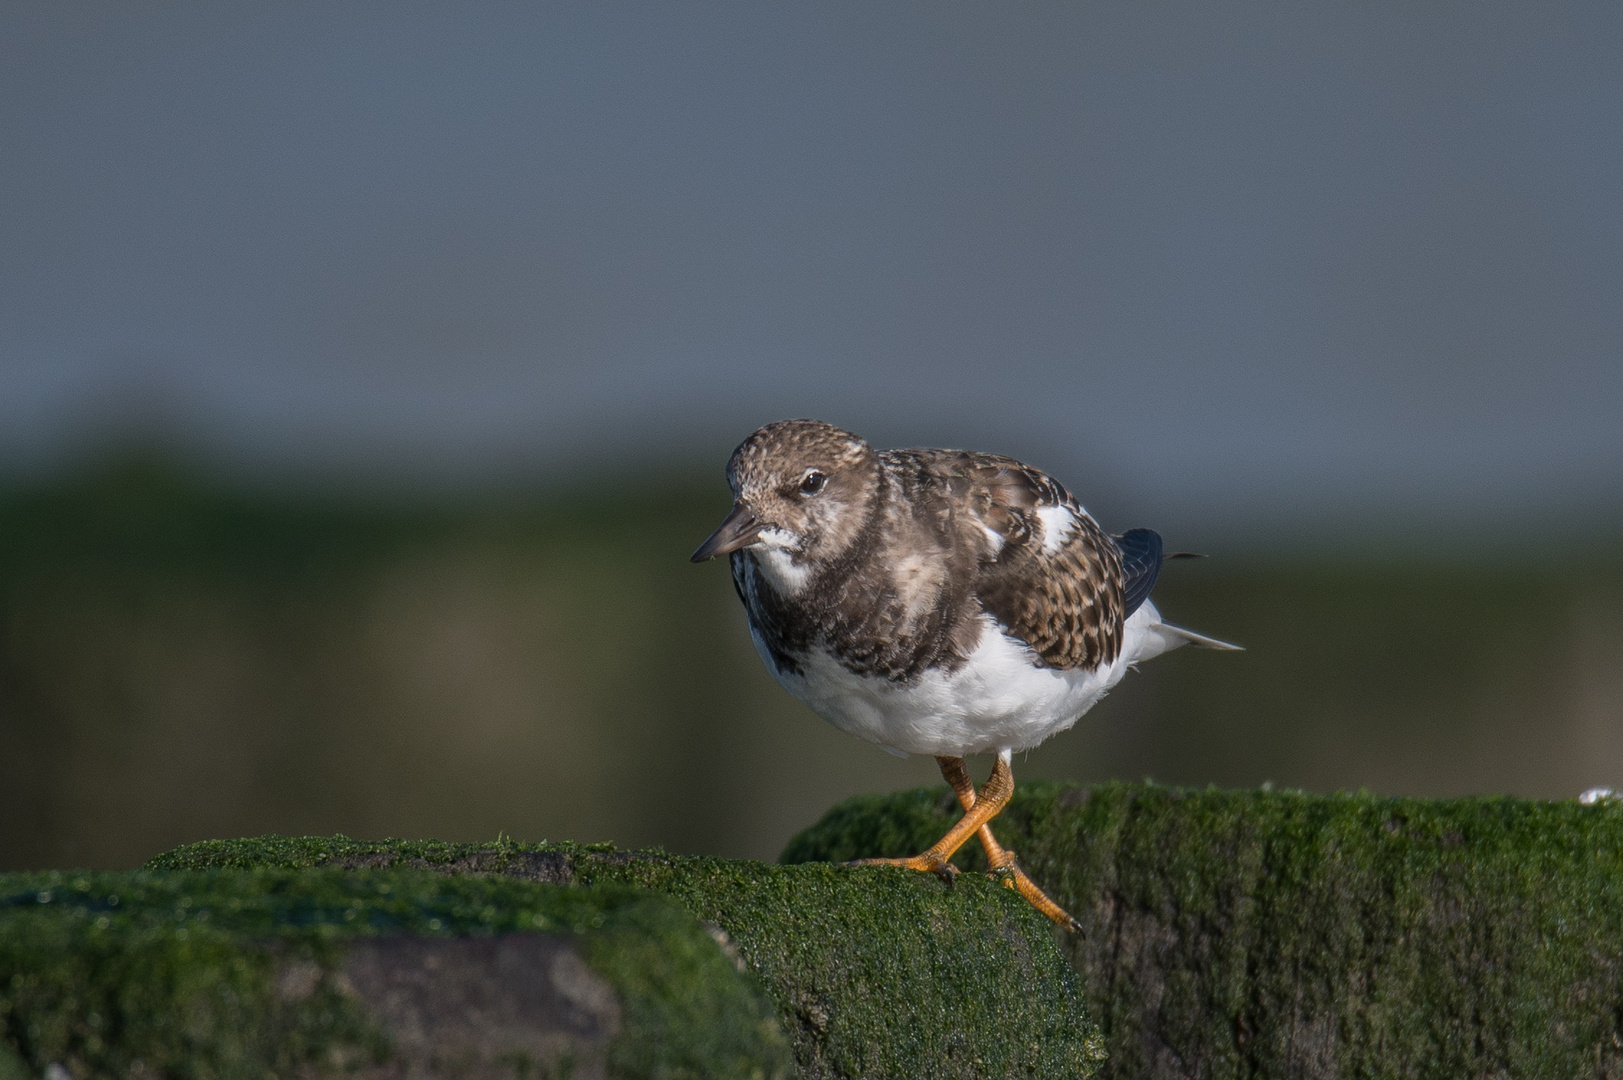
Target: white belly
{"type": "Point", "coordinates": [998, 700]}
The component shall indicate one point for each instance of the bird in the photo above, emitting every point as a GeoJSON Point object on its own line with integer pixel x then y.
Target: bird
{"type": "Point", "coordinates": [940, 602]}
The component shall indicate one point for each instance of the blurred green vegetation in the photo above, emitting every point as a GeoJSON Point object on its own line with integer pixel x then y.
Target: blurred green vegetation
{"type": "Point", "coordinates": [182, 658]}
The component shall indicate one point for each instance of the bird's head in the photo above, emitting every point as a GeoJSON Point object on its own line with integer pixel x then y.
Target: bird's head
{"type": "Point", "coordinates": [801, 489]}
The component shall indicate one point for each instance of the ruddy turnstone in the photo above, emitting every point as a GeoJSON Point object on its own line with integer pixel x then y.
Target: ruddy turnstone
{"type": "Point", "coordinates": [936, 602]}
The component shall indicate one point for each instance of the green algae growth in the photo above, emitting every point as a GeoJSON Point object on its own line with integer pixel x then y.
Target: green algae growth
{"type": "Point", "coordinates": [187, 973]}
{"type": "Point", "coordinates": [1282, 934]}
{"type": "Point", "coordinates": [874, 972]}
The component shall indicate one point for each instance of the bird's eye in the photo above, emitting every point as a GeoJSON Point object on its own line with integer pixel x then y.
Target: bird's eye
{"type": "Point", "coordinates": [812, 483]}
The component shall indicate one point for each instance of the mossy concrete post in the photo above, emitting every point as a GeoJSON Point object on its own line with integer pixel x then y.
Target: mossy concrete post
{"type": "Point", "coordinates": [1282, 934]}
{"type": "Point", "coordinates": [293, 972]}
{"type": "Point", "coordinates": [873, 972]}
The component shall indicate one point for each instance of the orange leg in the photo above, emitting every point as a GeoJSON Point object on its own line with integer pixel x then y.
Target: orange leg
{"type": "Point", "coordinates": [1000, 858]}
{"type": "Point", "coordinates": [994, 795]}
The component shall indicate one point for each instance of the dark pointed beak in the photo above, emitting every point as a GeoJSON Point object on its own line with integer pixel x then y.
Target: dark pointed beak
{"type": "Point", "coordinates": [739, 530]}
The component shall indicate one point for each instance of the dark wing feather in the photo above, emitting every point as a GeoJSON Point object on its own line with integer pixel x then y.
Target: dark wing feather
{"type": "Point", "coordinates": [1140, 566]}
{"type": "Point", "coordinates": [1066, 604]}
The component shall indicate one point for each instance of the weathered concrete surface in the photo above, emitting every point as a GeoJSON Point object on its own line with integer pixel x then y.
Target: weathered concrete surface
{"type": "Point", "coordinates": [860, 972]}
{"type": "Point", "coordinates": [874, 972]}
{"type": "Point", "coordinates": [477, 1007]}
{"type": "Point", "coordinates": [376, 974]}
{"type": "Point", "coordinates": [1281, 934]}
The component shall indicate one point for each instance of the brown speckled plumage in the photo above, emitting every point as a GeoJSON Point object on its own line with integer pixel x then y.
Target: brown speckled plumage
{"type": "Point", "coordinates": [1067, 605]}
{"type": "Point", "coordinates": [936, 602]}
{"type": "Point", "coordinates": [920, 545]}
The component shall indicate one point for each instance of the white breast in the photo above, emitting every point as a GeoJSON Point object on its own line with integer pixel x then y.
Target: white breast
{"type": "Point", "coordinates": [998, 700]}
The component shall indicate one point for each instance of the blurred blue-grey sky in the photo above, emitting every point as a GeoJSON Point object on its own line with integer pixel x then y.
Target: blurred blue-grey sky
{"type": "Point", "coordinates": [1254, 258]}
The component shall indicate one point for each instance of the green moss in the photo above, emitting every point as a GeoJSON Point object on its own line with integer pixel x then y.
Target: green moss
{"type": "Point", "coordinates": [173, 973]}
{"type": "Point", "coordinates": [690, 1014]}
{"type": "Point", "coordinates": [1276, 933]}
{"type": "Point", "coordinates": [875, 972]}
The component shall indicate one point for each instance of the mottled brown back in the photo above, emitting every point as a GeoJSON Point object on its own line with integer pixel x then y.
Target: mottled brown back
{"type": "Point", "coordinates": [1068, 605]}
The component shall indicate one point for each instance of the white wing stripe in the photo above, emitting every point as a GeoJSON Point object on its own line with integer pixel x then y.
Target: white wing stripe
{"type": "Point", "coordinates": [1058, 525]}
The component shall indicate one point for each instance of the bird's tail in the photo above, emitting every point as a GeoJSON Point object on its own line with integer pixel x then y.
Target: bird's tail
{"type": "Point", "coordinates": [1157, 637]}
{"type": "Point", "coordinates": [1189, 637]}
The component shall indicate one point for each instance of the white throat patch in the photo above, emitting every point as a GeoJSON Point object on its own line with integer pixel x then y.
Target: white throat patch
{"type": "Point", "coordinates": [774, 552]}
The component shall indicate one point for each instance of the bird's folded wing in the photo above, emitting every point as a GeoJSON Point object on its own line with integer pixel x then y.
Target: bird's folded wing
{"type": "Point", "coordinates": [1050, 576]}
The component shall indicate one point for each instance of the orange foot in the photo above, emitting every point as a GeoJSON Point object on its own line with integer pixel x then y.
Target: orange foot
{"type": "Point", "coordinates": [1016, 879]}
{"type": "Point", "coordinates": [929, 863]}
{"type": "Point", "coordinates": [999, 857]}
